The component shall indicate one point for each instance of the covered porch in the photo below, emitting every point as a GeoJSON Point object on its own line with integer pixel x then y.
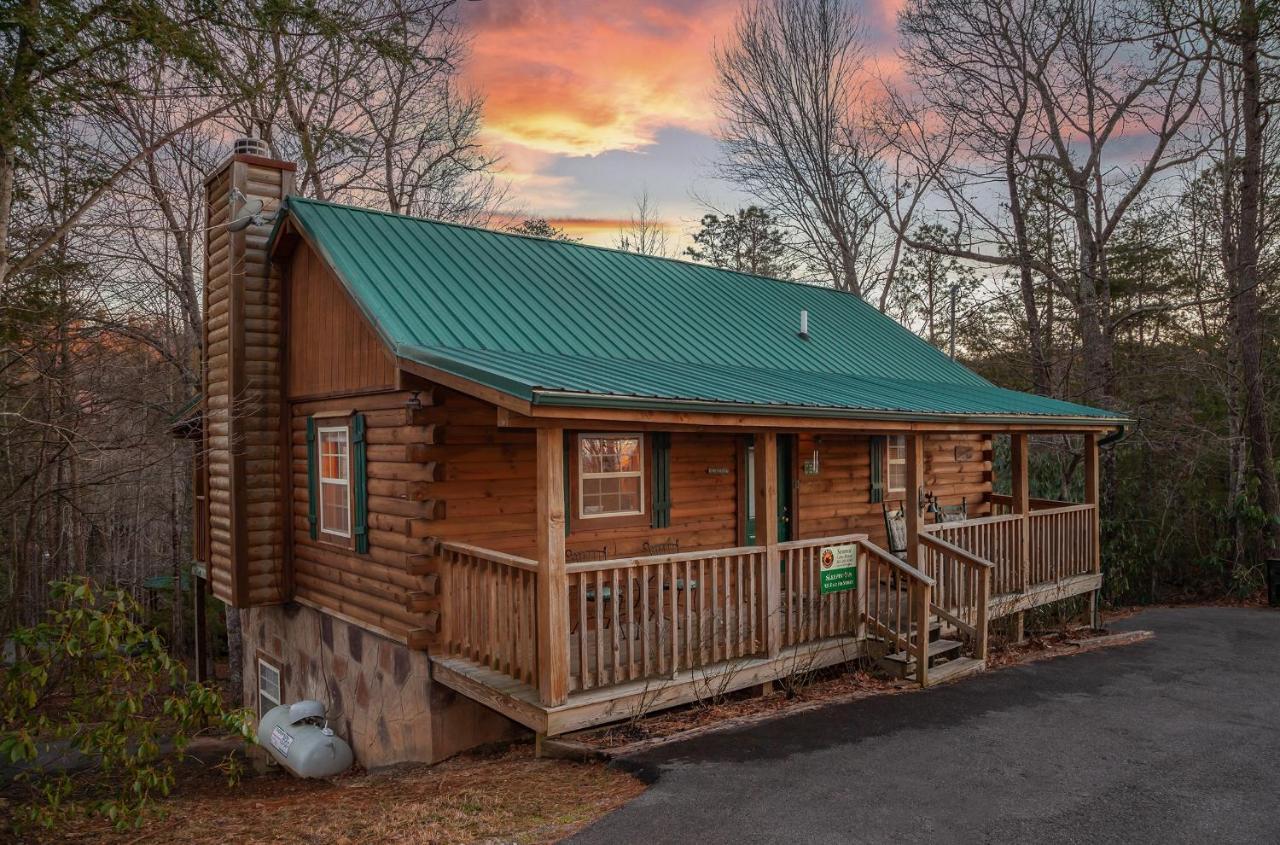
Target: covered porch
{"type": "Point", "coordinates": [561, 645]}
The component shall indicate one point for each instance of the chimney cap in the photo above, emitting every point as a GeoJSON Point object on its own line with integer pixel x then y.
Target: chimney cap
{"type": "Point", "coordinates": [252, 147]}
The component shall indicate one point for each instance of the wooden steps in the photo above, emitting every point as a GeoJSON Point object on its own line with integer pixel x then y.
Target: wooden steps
{"type": "Point", "coordinates": [954, 670]}
{"type": "Point", "coordinates": [938, 648]}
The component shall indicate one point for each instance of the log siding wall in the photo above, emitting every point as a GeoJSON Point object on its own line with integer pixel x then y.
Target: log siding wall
{"type": "Point", "coordinates": [957, 467]}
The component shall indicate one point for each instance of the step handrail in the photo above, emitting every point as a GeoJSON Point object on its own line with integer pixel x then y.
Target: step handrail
{"type": "Point", "coordinates": [978, 605]}
{"type": "Point", "coordinates": [952, 549]}
{"type": "Point", "coordinates": [897, 562]}
{"type": "Point", "coordinates": [898, 623]}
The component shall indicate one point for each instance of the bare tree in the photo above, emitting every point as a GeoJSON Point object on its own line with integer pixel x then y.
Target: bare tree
{"type": "Point", "coordinates": [1055, 87]}
{"type": "Point", "coordinates": [645, 233]}
{"type": "Point", "coordinates": [787, 88]}
{"type": "Point", "coordinates": [366, 97]}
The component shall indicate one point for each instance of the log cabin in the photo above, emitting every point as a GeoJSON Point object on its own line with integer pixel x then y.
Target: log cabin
{"type": "Point", "coordinates": [461, 484]}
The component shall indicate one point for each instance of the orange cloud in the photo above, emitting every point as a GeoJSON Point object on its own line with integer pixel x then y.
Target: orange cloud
{"type": "Point", "coordinates": [602, 231]}
{"type": "Point", "coordinates": [581, 79]}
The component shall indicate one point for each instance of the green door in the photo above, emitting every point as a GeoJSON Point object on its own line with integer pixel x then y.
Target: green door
{"type": "Point", "coordinates": [786, 474]}
{"type": "Point", "coordinates": [786, 463]}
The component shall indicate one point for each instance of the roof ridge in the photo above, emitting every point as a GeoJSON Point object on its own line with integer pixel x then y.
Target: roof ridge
{"type": "Point", "coordinates": [558, 242]}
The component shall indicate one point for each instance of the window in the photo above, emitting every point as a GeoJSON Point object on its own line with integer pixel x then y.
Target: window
{"type": "Point", "coordinates": [269, 692]}
{"type": "Point", "coordinates": [896, 461]}
{"type": "Point", "coordinates": [610, 475]}
{"type": "Point", "coordinates": [334, 448]}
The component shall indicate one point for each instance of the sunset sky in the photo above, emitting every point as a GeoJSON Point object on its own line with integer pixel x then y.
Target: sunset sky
{"type": "Point", "coordinates": [592, 102]}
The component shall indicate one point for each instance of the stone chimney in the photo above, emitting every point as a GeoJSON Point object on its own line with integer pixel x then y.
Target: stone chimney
{"type": "Point", "coordinates": [244, 446]}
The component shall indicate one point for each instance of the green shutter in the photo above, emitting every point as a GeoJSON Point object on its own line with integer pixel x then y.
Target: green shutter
{"type": "Point", "coordinates": [359, 485]}
{"type": "Point", "coordinates": [660, 488]}
{"type": "Point", "coordinates": [313, 495]}
{"type": "Point", "coordinates": [877, 468]}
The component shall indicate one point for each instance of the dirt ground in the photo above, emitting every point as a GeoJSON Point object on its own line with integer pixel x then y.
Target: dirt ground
{"type": "Point", "coordinates": [507, 797]}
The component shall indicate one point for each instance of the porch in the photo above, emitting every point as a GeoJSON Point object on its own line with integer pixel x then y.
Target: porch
{"type": "Point", "coordinates": [559, 646]}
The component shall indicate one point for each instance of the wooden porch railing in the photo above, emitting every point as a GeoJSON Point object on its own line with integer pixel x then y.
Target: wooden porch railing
{"type": "Point", "coordinates": [1061, 542]}
{"type": "Point", "coordinates": [636, 618]}
{"type": "Point", "coordinates": [807, 615]}
{"type": "Point", "coordinates": [489, 609]}
{"type": "Point", "coordinates": [898, 598]}
{"type": "Point", "coordinates": [962, 588]}
{"type": "Point", "coordinates": [997, 539]}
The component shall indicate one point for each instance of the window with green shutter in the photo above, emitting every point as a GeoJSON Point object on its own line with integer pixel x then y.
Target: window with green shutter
{"type": "Point", "coordinates": [337, 481]}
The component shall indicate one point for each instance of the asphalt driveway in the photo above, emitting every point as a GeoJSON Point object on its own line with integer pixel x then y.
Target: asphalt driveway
{"type": "Point", "coordinates": [1175, 739]}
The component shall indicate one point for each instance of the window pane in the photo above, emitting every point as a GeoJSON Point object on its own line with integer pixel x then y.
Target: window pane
{"type": "Point", "coordinates": [335, 510]}
{"type": "Point", "coordinates": [897, 476]}
{"type": "Point", "coordinates": [269, 681]}
{"type": "Point", "coordinates": [610, 454]}
{"type": "Point", "coordinates": [629, 493]}
{"type": "Point", "coordinates": [333, 454]}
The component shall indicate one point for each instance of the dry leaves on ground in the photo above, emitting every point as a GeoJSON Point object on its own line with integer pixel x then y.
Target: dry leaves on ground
{"type": "Point", "coordinates": [510, 797]}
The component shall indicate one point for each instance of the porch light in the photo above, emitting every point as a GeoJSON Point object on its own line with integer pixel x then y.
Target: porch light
{"type": "Point", "coordinates": [413, 403]}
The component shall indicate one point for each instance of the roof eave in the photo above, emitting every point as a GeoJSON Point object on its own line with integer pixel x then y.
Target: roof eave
{"type": "Point", "coordinates": [571, 399]}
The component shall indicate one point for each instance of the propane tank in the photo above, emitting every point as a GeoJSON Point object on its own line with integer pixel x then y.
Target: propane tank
{"type": "Point", "coordinates": [299, 738]}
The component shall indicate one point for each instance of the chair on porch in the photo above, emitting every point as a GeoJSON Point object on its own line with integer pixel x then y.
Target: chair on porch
{"type": "Point", "coordinates": [671, 547]}
{"type": "Point", "coordinates": [895, 530]}
{"type": "Point", "coordinates": [949, 513]}
{"type": "Point", "coordinates": [606, 590]}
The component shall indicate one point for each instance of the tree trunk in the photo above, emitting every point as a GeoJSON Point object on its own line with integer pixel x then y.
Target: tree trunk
{"type": "Point", "coordinates": [235, 655]}
{"type": "Point", "coordinates": [1245, 301]}
{"type": "Point", "coordinates": [177, 646]}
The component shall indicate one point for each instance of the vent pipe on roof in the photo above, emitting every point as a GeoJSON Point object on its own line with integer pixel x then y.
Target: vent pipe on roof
{"type": "Point", "coordinates": [804, 325]}
{"type": "Point", "coordinates": [251, 147]}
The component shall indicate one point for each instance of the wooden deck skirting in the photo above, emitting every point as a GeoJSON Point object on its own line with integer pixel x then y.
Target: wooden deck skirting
{"type": "Point", "coordinates": [519, 702]}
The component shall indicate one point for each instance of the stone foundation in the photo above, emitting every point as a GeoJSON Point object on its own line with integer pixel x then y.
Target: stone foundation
{"type": "Point", "coordinates": [379, 692]}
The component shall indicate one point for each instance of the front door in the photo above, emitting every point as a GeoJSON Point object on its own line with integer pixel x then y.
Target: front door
{"type": "Point", "coordinates": [786, 474]}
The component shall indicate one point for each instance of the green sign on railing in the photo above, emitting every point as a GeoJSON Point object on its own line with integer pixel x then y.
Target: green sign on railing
{"type": "Point", "coordinates": [839, 568]}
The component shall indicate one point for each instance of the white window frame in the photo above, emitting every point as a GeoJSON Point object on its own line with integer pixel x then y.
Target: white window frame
{"type": "Point", "coordinates": [345, 483]}
{"type": "Point", "coordinates": [265, 664]}
{"type": "Point", "coordinates": [583, 475]}
{"type": "Point", "coordinates": [890, 462]}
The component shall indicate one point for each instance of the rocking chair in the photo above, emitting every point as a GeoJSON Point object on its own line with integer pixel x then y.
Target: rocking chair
{"type": "Point", "coordinates": [895, 530]}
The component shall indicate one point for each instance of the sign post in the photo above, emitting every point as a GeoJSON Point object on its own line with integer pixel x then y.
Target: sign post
{"type": "Point", "coordinates": [839, 568]}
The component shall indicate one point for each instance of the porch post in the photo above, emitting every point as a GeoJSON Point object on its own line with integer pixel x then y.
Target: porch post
{"type": "Point", "coordinates": [553, 582]}
{"type": "Point", "coordinates": [915, 486]}
{"type": "Point", "coordinates": [1021, 495]}
{"type": "Point", "coordinates": [766, 493]}
{"type": "Point", "coordinates": [1091, 497]}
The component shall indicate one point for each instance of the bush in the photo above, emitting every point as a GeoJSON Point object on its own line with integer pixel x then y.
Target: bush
{"type": "Point", "coordinates": [92, 681]}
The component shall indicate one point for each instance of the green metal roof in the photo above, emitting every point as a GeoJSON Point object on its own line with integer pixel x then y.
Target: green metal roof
{"type": "Point", "coordinates": [558, 323]}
